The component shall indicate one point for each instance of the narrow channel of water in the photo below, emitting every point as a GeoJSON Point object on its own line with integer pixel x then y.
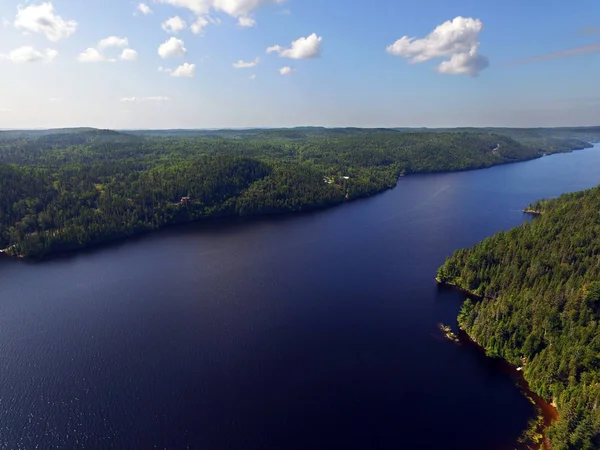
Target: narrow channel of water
{"type": "Point", "coordinates": [309, 331]}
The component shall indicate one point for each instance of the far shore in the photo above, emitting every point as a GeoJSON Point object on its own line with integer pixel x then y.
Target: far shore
{"type": "Point", "coordinates": [304, 209]}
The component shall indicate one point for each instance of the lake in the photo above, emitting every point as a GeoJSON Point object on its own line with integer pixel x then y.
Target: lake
{"type": "Point", "coordinates": [316, 330]}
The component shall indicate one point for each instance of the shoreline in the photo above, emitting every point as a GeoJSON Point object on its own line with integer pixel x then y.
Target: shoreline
{"type": "Point", "coordinates": [546, 412]}
{"type": "Point", "coordinates": [302, 210]}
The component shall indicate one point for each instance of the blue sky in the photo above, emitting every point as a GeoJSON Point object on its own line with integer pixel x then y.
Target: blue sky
{"type": "Point", "coordinates": [331, 63]}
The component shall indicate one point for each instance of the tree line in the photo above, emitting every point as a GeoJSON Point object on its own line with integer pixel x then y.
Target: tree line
{"type": "Point", "coordinates": [67, 189]}
{"type": "Point", "coordinates": [540, 308]}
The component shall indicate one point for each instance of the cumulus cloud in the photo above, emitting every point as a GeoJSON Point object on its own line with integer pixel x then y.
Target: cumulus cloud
{"type": "Point", "coordinates": [246, 22]}
{"type": "Point", "coordinates": [29, 54]}
{"type": "Point", "coordinates": [253, 76]}
{"type": "Point", "coordinates": [240, 9]}
{"type": "Point", "coordinates": [112, 41]}
{"type": "Point", "coordinates": [91, 55]}
{"type": "Point", "coordinates": [302, 48]}
{"type": "Point", "coordinates": [286, 70]}
{"type": "Point", "coordinates": [42, 19]}
{"type": "Point", "coordinates": [199, 25]}
{"type": "Point", "coordinates": [246, 65]}
{"type": "Point", "coordinates": [172, 48]}
{"type": "Point", "coordinates": [144, 9]}
{"type": "Point", "coordinates": [128, 54]}
{"type": "Point", "coordinates": [96, 54]}
{"type": "Point", "coordinates": [457, 39]}
{"type": "Point", "coordinates": [5, 110]}
{"type": "Point", "coordinates": [185, 70]}
{"type": "Point", "coordinates": [174, 25]}
{"type": "Point", "coordinates": [144, 99]}
{"type": "Point", "coordinates": [464, 64]}
{"type": "Point", "coordinates": [202, 22]}
{"type": "Point", "coordinates": [234, 8]}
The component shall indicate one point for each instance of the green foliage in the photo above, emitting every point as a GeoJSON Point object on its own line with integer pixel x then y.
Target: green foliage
{"type": "Point", "coordinates": [465, 314]}
{"type": "Point", "coordinates": [71, 188]}
{"type": "Point", "coordinates": [540, 285]}
{"type": "Point", "coordinates": [531, 434]}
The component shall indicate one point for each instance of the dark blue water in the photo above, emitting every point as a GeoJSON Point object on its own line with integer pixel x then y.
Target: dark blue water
{"type": "Point", "coordinates": [311, 331]}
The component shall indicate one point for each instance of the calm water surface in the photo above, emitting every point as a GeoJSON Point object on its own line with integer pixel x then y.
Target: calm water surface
{"type": "Point", "coordinates": [312, 331]}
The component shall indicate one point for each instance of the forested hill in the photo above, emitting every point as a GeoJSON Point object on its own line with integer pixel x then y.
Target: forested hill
{"type": "Point", "coordinates": [541, 289]}
{"type": "Point", "coordinates": [71, 188]}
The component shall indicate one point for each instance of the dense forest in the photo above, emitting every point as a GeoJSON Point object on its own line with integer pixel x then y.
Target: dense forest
{"type": "Point", "coordinates": [66, 189]}
{"type": "Point", "coordinates": [539, 286]}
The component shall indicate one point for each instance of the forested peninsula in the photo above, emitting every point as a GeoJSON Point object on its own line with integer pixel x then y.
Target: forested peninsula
{"type": "Point", "coordinates": [539, 308]}
{"type": "Point", "coordinates": [66, 189]}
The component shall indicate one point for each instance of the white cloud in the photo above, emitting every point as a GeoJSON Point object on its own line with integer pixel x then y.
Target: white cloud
{"type": "Point", "coordinates": [185, 70]}
{"type": "Point", "coordinates": [196, 6]}
{"type": "Point", "coordinates": [246, 65]}
{"type": "Point", "coordinates": [164, 69]}
{"type": "Point", "coordinates": [202, 22]}
{"type": "Point", "coordinates": [96, 54]}
{"type": "Point", "coordinates": [55, 99]}
{"type": "Point", "coordinates": [246, 22]}
{"type": "Point", "coordinates": [112, 41]}
{"type": "Point", "coordinates": [144, 99]}
{"type": "Point", "coordinates": [42, 19]}
{"type": "Point", "coordinates": [457, 39]}
{"type": "Point", "coordinates": [234, 8]}
{"type": "Point", "coordinates": [302, 48]}
{"type": "Point", "coordinates": [128, 54]}
{"type": "Point", "coordinates": [240, 9]}
{"type": "Point", "coordinates": [28, 54]}
{"type": "Point", "coordinates": [464, 64]}
{"type": "Point", "coordinates": [286, 70]}
{"type": "Point", "coordinates": [174, 25]}
{"type": "Point", "coordinates": [253, 76]}
{"type": "Point", "coordinates": [199, 25]}
{"type": "Point", "coordinates": [91, 55]}
{"type": "Point", "coordinates": [172, 48]}
{"type": "Point", "coordinates": [5, 110]}
{"type": "Point", "coordinates": [144, 9]}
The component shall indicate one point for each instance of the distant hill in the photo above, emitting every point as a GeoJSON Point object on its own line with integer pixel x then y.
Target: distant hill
{"type": "Point", "coordinates": [584, 133]}
{"type": "Point", "coordinates": [66, 136]}
{"type": "Point", "coordinates": [542, 140]}
{"type": "Point", "coordinates": [590, 134]}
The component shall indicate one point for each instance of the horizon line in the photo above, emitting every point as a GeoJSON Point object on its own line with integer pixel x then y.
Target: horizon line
{"type": "Point", "coordinates": [302, 126]}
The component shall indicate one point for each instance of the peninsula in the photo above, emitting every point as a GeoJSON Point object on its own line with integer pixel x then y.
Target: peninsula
{"type": "Point", "coordinates": [539, 308]}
